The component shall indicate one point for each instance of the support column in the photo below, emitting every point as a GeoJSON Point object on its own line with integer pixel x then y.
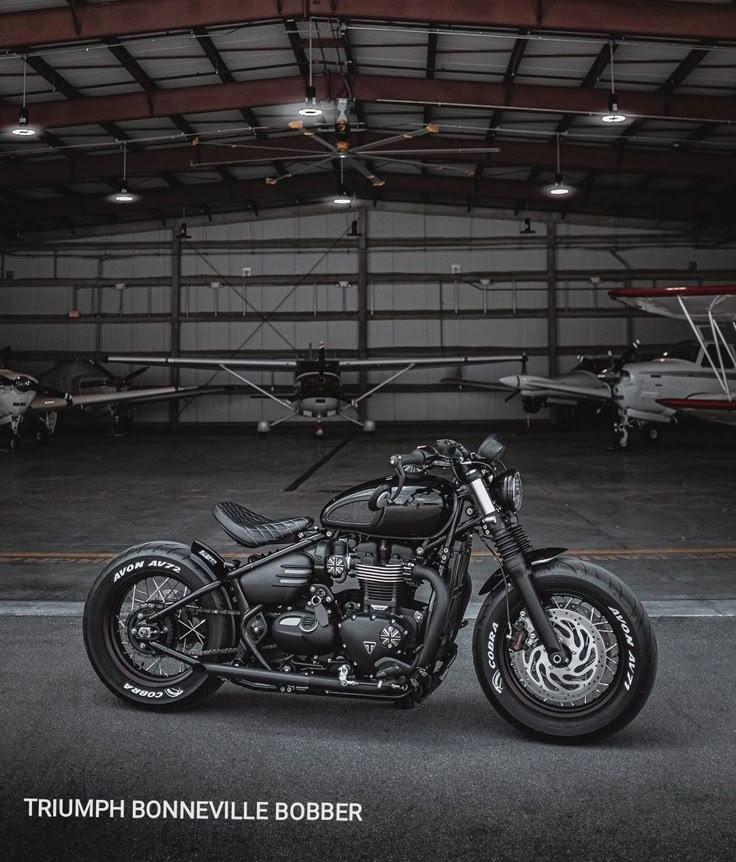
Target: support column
{"type": "Point", "coordinates": [174, 339]}
{"type": "Point", "coordinates": [552, 298]}
{"type": "Point", "coordinates": [363, 305]}
{"type": "Point", "coordinates": [629, 318]}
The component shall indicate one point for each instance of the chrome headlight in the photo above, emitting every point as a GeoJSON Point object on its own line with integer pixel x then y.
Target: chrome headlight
{"type": "Point", "coordinates": [508, 490]}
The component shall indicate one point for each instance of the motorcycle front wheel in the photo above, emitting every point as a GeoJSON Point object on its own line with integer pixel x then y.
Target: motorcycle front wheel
{"type": "Point", "coordinates": [606, 634]}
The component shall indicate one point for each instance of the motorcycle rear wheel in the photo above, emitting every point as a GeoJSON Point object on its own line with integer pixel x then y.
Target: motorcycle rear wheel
{"type": "Point", "coordinates": [143, 578]}
{"type": "Point", "coordinates": [606, 633]}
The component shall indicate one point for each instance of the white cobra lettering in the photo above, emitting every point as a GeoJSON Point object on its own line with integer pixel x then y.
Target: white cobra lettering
{"type": "Point", "coordinates": [492, 646]}
{"type": "Point", "coordinates": [143, 692]}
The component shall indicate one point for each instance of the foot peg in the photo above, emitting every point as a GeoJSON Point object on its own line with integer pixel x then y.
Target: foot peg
{"type": "Point", "coordinates": [391, 667]}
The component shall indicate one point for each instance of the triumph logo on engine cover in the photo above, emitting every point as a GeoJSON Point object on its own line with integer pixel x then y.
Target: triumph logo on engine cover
{"type": "Point", "coordinates": [390, 637]}
{"type": "Point", "coordinates": [369, 646]}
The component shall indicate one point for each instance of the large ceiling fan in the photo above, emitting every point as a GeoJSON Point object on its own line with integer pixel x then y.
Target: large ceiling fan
{"type": "Point", "coordinates": [339, 151]}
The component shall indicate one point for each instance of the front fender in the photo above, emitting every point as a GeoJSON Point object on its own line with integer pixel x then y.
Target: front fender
{"type": "Point", "coordinates": [536, 558]}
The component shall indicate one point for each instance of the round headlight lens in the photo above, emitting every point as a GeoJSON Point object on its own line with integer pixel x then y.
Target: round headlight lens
{"type": "Point", "coordinates": [509, 489]}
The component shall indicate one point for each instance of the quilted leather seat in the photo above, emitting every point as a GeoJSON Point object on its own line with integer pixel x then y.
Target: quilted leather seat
{"type": "Point", "coordinates": [251, 529]}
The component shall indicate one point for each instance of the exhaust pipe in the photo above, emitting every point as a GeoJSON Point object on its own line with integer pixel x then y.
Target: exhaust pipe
{"type": "Point", "coordinates": [297, 682]}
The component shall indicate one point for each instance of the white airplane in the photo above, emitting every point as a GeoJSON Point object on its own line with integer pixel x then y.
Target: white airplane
{"type": "Point", "coordinates": [696, 378]}
{"type": "Point", "coordinates": [23, 397]}
{"type": "Point", "coordinates": [580, 384]}
{"type": "Point", "coordinates": [317, 390]}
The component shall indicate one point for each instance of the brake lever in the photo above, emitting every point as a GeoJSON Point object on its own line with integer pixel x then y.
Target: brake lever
{"type": "Point", "coordinates": [401, 473]}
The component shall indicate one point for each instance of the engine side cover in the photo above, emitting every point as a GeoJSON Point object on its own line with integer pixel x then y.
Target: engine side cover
{"type": "Point", "coordinates": [368, 640]}
{"type": "Point", "coordinates": [299, 632]}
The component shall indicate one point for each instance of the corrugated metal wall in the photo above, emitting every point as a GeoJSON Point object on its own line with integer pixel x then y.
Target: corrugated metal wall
{"type": "Point", "coordinates": [302, 289]}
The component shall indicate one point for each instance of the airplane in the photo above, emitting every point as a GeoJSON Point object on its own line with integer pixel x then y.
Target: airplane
{"type": "Point", "coordinates": [317, 390]}
{"type": "Point", "coordinates": [697, 378]}
{"type": "Point", "coordinates": [580, 384]}
{"type": "Point", "coordinates": [24, 397]}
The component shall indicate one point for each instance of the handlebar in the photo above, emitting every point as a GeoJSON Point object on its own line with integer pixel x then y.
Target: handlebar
{"type": "Point", "coordinates": [416, 458]}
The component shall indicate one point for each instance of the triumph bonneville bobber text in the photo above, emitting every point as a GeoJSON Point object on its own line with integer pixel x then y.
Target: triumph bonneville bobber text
{"type": "Point", "coordinates": [562, 648]}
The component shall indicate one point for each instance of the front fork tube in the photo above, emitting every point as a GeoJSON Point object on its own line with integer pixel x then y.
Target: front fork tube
{"type": "Point", "coordinates": [517, 568]}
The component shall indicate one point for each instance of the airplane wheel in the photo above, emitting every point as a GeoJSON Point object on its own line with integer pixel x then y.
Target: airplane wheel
{"type": "Point", "coordinates": [651, 434]}
{"type": "Point", "coordinates": [42, 436]}
{"type": "Point", "coordinates": [263, 428]}
{"type": "Point", "coordinates": [369, 426]}
{"type": "Point", "coordinates": [14, 443]}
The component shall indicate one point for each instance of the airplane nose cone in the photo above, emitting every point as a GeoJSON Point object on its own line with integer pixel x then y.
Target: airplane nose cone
{"type": "Point", "coordinates": [512, 382]}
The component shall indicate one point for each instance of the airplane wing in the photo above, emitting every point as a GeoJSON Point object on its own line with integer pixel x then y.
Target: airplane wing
{"type": "Point", "coordinates": [424, 361]}
{"type": "Point", "coordinates": [696, 301]}
{"type": "Point", "coordinates": [539, 386]}
{"type": "Point", "coordinates": [715, 407]}
{"type": "Point", "coordinates": [44, 404]}
{"type": "Point", "coordinates": [478, 385]}
{"type": "Point", "coordinates": [206, 362]}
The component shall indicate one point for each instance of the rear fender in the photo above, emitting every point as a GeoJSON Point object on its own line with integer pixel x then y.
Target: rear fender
{"type": "Point", "coordinates": [536, 558]}
{"type": "Point", "coordinates": [210, 559]}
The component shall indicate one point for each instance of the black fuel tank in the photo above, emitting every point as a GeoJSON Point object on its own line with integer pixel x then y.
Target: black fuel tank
{"type": "Point", "coordinates": [422, 508]}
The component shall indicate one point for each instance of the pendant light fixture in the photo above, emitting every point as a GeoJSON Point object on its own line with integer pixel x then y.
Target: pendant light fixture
{"type": "Point", "coordinates": [614, 115]}
{"type": "Point", "coordinates": [311, 108]}
{"type": "Point", "coordinates": [343, 198]}
{"type": "Point", "coordinates": [559, 189]}
{"type": "Point", "coordinates": [124, 196]}
{"type": "Point", "coordinates": [23, 129]}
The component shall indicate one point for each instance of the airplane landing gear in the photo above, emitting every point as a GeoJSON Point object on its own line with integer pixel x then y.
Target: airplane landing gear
{"type": "Point", "coordinates": [622, 433]}
{"type": "Point", "coordinates": [651, 433]}
{"type": "Point", "coordinates": [263, 427]}
{"type": "Point", "coordinates": [369, 426]}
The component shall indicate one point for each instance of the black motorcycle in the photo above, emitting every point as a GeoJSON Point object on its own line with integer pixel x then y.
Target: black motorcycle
{"type": "Point", "coordinates": [370, 605]}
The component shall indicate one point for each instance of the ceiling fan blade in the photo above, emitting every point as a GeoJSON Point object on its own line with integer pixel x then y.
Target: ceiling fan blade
{"type": "Point", "coordinates": [374, 180]}
{"type": "Point", "coordinates": [429, 129]}
{"type": "Point", "coordinates": [450, 169]}
{"type": "Point", "coordinates": [439, 151]}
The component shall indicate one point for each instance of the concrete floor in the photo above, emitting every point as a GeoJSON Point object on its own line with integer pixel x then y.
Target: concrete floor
{"type": "Point", "coordinates": [662, 519]}
{"type": "Point", "coordinates": [449, 781]}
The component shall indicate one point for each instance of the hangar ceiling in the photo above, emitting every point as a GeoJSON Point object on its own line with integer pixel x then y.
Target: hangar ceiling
{"type": "Point", "coordinates": [198, 98]}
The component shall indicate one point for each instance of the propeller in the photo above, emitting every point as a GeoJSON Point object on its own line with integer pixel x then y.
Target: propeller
{"type": "Point", "coordinates": [124, 381]}
{"type": "Point", "coordinates": [612, 375]}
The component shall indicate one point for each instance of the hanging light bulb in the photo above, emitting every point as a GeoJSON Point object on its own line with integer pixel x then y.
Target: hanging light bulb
{"type": "Point", "coordinates": [124, 196]}
{"type": "Point", "coordinates": [560, 188]}
{"type": "Point", "coordinates": [342, 199]}
{"type": "Point", "coordinates": [311, 108]}
{"type": "Point", "coordinates": [614, 115]}
{"type": "Point", "coordinates": [23, 129]}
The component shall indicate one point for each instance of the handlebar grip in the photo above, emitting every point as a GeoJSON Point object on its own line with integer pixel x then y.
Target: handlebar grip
{"type": "Point", "coordinates": [416, 457]}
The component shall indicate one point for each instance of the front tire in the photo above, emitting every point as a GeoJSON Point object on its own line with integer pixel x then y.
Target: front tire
{"type": "Point", "coordinates": [605, 631]}
{"type": "Point", "coordinates": [144, 577]}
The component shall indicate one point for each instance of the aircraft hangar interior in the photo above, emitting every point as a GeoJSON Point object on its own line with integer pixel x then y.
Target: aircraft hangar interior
{"type": "Point", "coordinates": [293, 264]}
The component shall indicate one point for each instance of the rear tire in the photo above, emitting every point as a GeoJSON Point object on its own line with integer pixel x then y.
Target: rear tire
{"type": "Point", "coordinates": [152, 575]}
{"type": "Point", "coordinates": [604, 628]}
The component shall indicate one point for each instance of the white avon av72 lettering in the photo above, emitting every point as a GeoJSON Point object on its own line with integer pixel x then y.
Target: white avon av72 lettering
{"type": "Point", "coordinates": [369, 605]}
